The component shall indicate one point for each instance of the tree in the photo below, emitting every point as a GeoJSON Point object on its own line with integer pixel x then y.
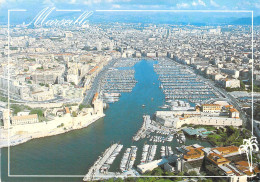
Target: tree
{"type": "Point", "coordinates": [179, 178]}
{"type": "Point", "coordinates": [40, 68]}
{"type": "Point", "coordinates": [74, 114]}
{"type": "Point", "coordinates": [157, 171]}
{"type": "Point", "coordinates": [119, 180]}
{"type": "Point", "coordinates": [110, 180]}
{"type": "Point", "coordinates": [221, 180]}
{"type": "Point", "coordinates": [16, 108]}
{"type": "Point", "coordinates": [81, 106]}
{"type": "Point", "coordinates": [140, 179]}
{"type": "Point", "coordinates": [242, 85]}
{"type": "Point", "coordinates": [249, 145]}
{"type": "Point", "coordinates": [130, 179]}
{"type": "Point", "coordinates": [163, 180]}
{"type": "Point", "coordinates": [39, 112]}
{"type": "Point", "coordinates": [230, 130]}
{"type": "Point", "coordinates": [192, 173]}
{"type": "Point", "coordinates": [61, 125]}
{"type": "Point", "coordinates": [208, 180]}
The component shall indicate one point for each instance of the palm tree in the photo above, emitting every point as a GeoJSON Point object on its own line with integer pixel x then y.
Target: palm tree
{"type": "Point", "coordinates": [249, 145]}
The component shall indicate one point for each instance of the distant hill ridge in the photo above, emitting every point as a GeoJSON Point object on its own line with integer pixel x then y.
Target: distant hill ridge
{"type": "Point", "coordinates": [247, 21]}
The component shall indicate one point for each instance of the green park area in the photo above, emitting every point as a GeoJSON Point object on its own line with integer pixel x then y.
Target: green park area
{"type": "Point", "coordinates": [229, 135]}
{"type": "Point", "coordinates": [224, 136]}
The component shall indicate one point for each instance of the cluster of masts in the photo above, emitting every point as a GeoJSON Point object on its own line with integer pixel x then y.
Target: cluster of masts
{"type": "Point", "coordinates": [118, 81]}
{"type": "Point", "coordinates": [128, 159]}
{"type": "Point", "coordinates": [148, 154]}
{"type": "Point", "coordinates": [177, 82]}
{"type": "Point", "coordinates": [105, 167]}
{"type": "Point", "coordinates": [166, 151]}
{"type": "Point", "coordinates": [126, 62]}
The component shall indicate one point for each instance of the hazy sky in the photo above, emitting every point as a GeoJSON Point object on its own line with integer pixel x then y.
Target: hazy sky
{"type": "Point", "coordinates": [136, 4]}
{"type": "Point", "coordinates": [34, 6]}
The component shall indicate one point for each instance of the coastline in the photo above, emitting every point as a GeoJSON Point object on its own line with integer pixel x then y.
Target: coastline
{"type": "Point", "coordinates": [19, 139]}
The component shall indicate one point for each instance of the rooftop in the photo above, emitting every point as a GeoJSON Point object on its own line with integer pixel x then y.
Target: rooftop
{"type": "Point", "coordinates": [218, 159]}
{"type": "Point", "coordinates": [31, 116]}
{"type": "Point", "coordinates": [95, 97]}
{"type": "Point", "coordinates": [194, 152]}
{"type": "Point", "coordinates": [227, 150]}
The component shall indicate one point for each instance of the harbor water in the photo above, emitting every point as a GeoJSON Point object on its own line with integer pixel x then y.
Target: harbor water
{"type": "Point", "coordinates": [73, 153]}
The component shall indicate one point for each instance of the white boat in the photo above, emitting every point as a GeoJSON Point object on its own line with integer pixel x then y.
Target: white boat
{"type": "Point", "coordinates": [163, 107]}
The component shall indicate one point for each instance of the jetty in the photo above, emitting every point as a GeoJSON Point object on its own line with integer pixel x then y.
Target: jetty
{"type": "Point", "coordinates": [148, 154]}
{"type": "Point", "coordinates": [128, 159]}
{"type": "Point", "coordinates": [142, 132]}
{"type": "Point", "coordinates": [101, 166]}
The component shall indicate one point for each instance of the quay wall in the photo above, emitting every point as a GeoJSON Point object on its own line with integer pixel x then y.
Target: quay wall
{"type": "Point", "coordinates": [22, 133]}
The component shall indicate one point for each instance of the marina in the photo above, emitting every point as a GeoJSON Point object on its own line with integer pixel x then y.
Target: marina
{"type": "Point", "coordinates": [126, 63]}
{"type": "Point", "coordinates": [166, 151]}
{"type": "Point", "coordinates": [90, 143]}
{"type": "Point", "coordinates": [111, 97]}
{"type": "Point", "coordinates": [145, 129]}
{"type": "Point", "coordinates": [181, 138]}
{"type": "Point", "coordinates": [101, 166]}
{"type": "Point", "coordinates": [180, 83]}
{"type": "Point", "coordinates": [118, 79]}
{"type": "Point", "coordinates": [154, 132]}
{"type": "Point", "coordinates": [148, 154]}
{"type": "Point", "coordinates": [128, 159]}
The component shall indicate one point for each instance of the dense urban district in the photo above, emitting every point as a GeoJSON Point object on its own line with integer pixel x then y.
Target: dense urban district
{"type": "Point", "coordinates": [57, 80]}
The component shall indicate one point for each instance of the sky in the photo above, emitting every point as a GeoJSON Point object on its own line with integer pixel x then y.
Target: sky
{"type": "Point", "coordinates": [136, 4]}
{"type": "Point", "coordinates": [34, 6]}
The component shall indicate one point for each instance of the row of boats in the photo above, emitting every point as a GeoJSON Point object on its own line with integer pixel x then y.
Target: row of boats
{"type": "Point", "coordinates": [166, 151]}
{"type": "Point", "coordinates": [111, 97]}
{"type": "Point", "coordinates": [128, 159]}
{"type": "Point", "coordinates": [142, 132]}
{"type": "Point", "coordinates": [168, 138]}
{"type": "Point", "coordinates": [117, 81]}
{"type": "Point", "coordinates": [129, 62]}
{"type": "Point", "coordinates": [105, 167]}
{"type": "Point", "coordinates": [161, 139]}
{"type": "Point", "coordinates": [185, 92]}
{"type": "Point", "coordinates": [103, 162]}
{"type": "Point", "coordinates": [181, 96]}
{"type": "Point", "coordinates": [181, 138]}
{"type": "Point", "coordinates": [178, 82]}
{"type": "Point", "coordinates": [148, 154]}
{"type": "Point", "coordinates": [162, 132]}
